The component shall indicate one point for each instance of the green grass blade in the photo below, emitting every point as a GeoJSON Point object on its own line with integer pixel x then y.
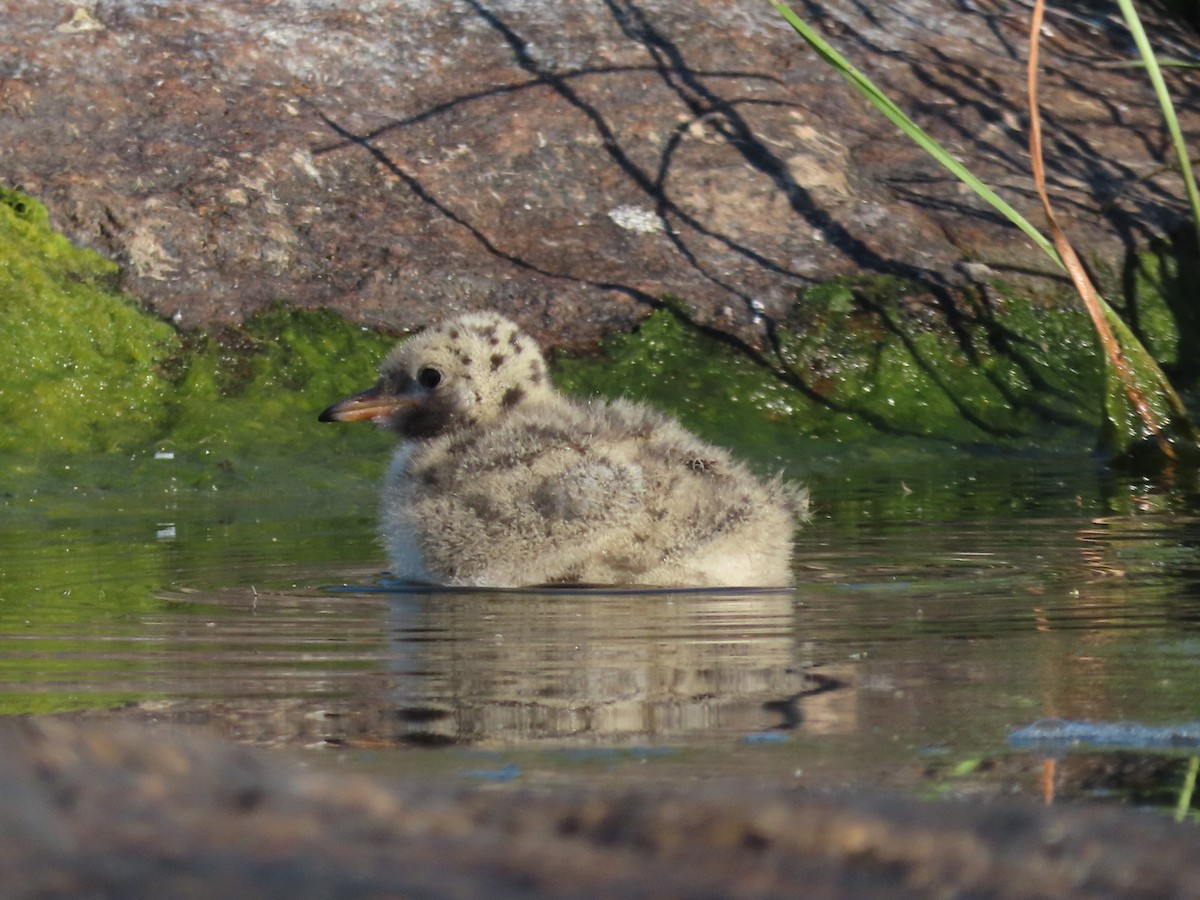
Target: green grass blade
{"type": "Point", "coordinates": [1188, 789]}
{"type": "Point", "coordinates": [1164, 102]}
{"type": "Point", "coordinates": [868, 89]}
{"type": "Point", "coordinates": [1164, 62]}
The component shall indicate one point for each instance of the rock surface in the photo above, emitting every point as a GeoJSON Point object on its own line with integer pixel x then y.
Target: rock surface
{"type": "Point", "coordinates": [566, 163]}
{"type": "Point", "coordinates": [105, 810]}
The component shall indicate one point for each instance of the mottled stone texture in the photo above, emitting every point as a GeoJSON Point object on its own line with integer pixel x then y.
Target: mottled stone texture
{"type": "Point", "coordinates": [566, 163]}
{"type": "Point", "coordinates": [115, 811]}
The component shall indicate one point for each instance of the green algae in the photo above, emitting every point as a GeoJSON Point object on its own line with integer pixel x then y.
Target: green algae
{"type": "Point", "coordinates": [869, 363]}
{"type": "Point", "coordinates": [976, 368]}
{"type": "Point", "coordinates": [90, 374]}
{"type": "Point", "coordinates": [247, 400]}
{"type": "Point", "coordinates": [82, 368]}
{"type": "Point", "coordinates": [1158, 291]}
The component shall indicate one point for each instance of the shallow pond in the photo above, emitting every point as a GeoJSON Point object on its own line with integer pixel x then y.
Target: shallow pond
{"type": "Point", "coordinates": [941, 604]}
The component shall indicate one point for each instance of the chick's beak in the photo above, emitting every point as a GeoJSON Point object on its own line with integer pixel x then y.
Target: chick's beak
{"type": "Point", "coordinates": [373, 403]}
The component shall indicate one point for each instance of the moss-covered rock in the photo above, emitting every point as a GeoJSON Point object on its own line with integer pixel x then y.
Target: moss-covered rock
{"type": "Point", "coordinates": [88, 372]}
{"type": "Point", "coordinates": [972, 368]}
{"type": "Point", "coordinates": [83, 365]}
{"type": "Point", "coordinates": [1157, 296]}
{"type": "Point", "coordinates": [870, 360]}
{"type": "Point", "coordinates": [248, 399]}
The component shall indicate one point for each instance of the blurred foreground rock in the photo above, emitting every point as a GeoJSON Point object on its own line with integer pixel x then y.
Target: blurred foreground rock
{"type": "Point", "coordinates": [566, 163]}
{"type": "Point", "coordinates": [114, 810]}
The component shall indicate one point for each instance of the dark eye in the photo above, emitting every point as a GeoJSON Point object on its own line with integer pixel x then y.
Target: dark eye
{"type": "Point", "coordinates": [429, 378]}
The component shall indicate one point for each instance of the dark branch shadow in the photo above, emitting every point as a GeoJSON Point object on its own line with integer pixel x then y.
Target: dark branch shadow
{"type": "Point", "coordinates": [710, 96]}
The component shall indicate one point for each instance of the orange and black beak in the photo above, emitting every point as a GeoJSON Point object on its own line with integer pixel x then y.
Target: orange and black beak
{"type": "Point", "coordinates": [374, 403]}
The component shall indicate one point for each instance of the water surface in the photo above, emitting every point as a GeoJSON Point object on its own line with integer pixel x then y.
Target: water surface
{"type": "Point", "coordinates": [939, 607]}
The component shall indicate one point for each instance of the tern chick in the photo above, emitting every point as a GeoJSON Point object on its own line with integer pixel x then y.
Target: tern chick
{"type": "Point", "coordinates": [502, 481]}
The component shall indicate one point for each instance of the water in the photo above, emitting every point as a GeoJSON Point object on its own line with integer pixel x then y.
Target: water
{"type": "Point", "coordinates": [940, 607]}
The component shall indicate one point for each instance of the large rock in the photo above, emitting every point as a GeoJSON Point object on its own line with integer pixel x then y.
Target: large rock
{"type": "Point", "coordinates": [566, 163]}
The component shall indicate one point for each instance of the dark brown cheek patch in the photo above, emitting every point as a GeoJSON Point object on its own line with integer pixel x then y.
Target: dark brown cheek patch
{"type": "Point", "coordinates": [498, 360]}
{"type": "Point", "coordinates": [425, 420]}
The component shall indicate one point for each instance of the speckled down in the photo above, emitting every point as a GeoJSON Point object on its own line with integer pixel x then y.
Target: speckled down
{"type": "Point", "coordinates": [501, 481]}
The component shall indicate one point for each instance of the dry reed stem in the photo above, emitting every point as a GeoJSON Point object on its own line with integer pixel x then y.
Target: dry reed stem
{"type": "Point", "coordinates": [1079, 277]}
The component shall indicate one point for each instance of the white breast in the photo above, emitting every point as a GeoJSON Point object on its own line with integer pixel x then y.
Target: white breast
{"type": "Point", "coordinates": [400, 540]}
